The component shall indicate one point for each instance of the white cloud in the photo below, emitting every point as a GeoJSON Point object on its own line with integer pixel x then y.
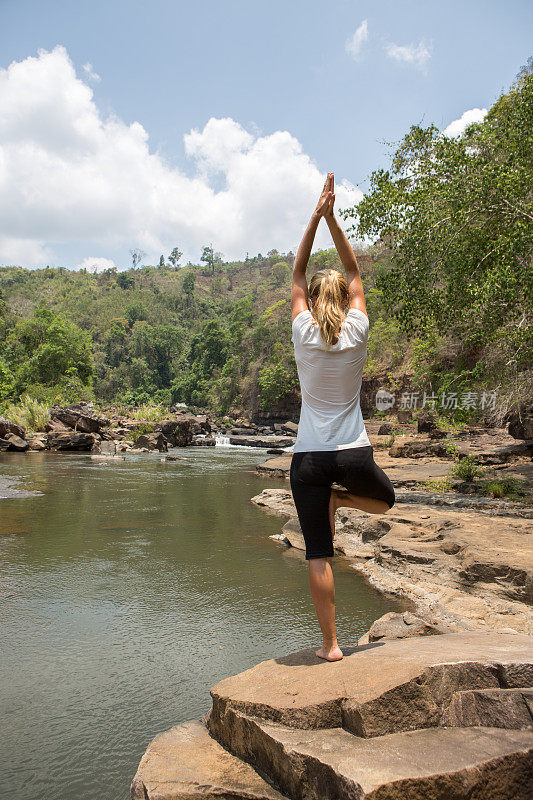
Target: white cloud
{"type": "Point", "coordinates": [16, 251]}
{"type": "Point", "coordinates": [417, 55]}
{"type": "Point", "coordinates": [97, 264]}
{"type": "Point", "coordinates": [458, 126]}
{"type": "Point", "coordinates": [91, 74]}
{"type": "Point", "coordinates": [355, 42]}
{"type": "Point", "coordinates": [68, 175]}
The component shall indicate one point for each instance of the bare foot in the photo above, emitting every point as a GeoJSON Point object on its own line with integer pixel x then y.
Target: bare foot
{"type": "Point", "coordinates": [330, 653]}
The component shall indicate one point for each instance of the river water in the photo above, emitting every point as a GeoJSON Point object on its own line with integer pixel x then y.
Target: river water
{"type": "Point", "coordinates": [128, 589]}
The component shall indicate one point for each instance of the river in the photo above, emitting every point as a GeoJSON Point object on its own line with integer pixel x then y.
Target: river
{"type": "Point", "coordinates": [128, 589]}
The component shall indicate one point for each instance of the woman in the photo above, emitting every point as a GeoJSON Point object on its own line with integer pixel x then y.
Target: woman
{"type": "Point", "coordinates": [330, 332]}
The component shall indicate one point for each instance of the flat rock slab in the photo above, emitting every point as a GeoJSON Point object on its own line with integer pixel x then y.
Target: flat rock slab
{"type": "Point", "coordinates": [185, 762]}
{"type": "Point", "coordinates": [268, 440]}
{"type": "Point", "coordinates": [304, 691]}
{"type": "Point", "coordinates": [434, 764]}
{"type": "Point", "coordinates": [402, 471]}
{"type": "Point", "coordinates": [278, 466]}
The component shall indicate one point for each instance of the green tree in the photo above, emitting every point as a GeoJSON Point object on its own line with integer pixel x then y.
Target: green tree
{"type": "Point", "coordinates": [175, 256]}
{"type": "Point", "coordinates": [125, 281]}
{"type": "Point", "coordinates": [136, 311]}
{"type": "Point", "coordinates": [159, 346]}
{"type": "Point", "coordinates": [280, 273]}
{"type": "Point", "coordinates": [456, 214]}
{"type": "Point", "coordinates": [7, 380]}
{"type": "Point", "coordinates": [277, 380]}
{"type": "Point", "coordinates": [188, 286]}
{"type": "Point", "coordinates": [209, 348]}
{"type": "Point", "coordinates": [208, 257]}
{"type": "Point", "coordinates": [46, 348]}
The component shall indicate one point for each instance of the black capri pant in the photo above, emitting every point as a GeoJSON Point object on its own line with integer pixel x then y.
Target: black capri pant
{"type": "Point", "coordinates": [312, 474]}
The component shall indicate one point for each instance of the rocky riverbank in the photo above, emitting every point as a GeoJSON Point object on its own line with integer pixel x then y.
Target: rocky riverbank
{"type": "Point", "coordinates": [439, 717]}
{"type": "Point", "coordinates": [79, 427]}
{"type": "Point", "coordinates": [464, 561]}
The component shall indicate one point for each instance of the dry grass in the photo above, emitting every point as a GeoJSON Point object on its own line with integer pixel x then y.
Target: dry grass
{"type": "Point", "coordinates": [29, 413]}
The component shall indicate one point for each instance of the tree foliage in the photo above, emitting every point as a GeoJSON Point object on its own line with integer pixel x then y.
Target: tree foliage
{"type": "Point", "coordinates": [456, 215]}
{"type": "Point", "coordinates": [45, 348]}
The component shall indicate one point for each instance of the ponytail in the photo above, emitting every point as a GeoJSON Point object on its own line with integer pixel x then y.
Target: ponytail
{"type": "Point", "coordinates": [328, 292]}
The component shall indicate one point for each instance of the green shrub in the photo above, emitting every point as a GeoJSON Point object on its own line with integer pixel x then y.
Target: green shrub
{"type": "Point", "coordinates": [495, 489]}
{"type": "Point", "coordinates": [141, 430]}
{"type": "Point", "coordinates": [451, 448]}
{"type": "Point", "coordinates": [29, 413]}
{"type": "Point", "coordinates": [439, 484]}
{"type": "Point", "coordinates": [467, 469]}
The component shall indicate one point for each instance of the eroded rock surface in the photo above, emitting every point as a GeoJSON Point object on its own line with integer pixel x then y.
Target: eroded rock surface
{"type": "Point", "coordinates": [402, 626]}
{"type": "Point", "coordinates": [332, 764]}
{"type": "Point", "coordinates": [463, 567]}
{"type": "Point", "coordinates": [439, 718]}
{"type": "Point", "coordinates": [185, 762]}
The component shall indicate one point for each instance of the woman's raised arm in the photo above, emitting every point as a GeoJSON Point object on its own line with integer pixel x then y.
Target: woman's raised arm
{"type": "Point", "coordinates": [299, 293]}
{"type": "Point", "coordinates": [347, 256]}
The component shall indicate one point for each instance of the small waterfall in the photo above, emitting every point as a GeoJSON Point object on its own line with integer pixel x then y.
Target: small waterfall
{"type": "Point", "coordinates": [222, 441]}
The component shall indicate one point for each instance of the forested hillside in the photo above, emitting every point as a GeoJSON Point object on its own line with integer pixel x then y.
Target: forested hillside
{"type": "Point", "coordinates": [448, 284]}
{"type": "Point", "coordinates": [215, 336]}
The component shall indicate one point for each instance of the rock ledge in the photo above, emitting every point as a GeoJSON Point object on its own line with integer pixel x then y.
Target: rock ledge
{"type": "Point", "coordinates": [439, 717]}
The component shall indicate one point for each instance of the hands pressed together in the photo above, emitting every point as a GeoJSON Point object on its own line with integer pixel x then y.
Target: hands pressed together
{"type": "Point", "coordinates": [324, 208]}
{"type": "Point", "coordinates": [326, 201]}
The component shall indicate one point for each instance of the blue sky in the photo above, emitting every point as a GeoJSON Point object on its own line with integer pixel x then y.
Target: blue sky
{"type": "Point", "coordinates": [267, 68]}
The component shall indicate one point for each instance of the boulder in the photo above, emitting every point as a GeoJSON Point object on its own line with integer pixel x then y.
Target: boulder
{"type": "Point", "coordinates": [436, 433]}
{"type": "Point", "coordinates": [278, 467]}
{"type": "Point", "coordinates": [203, 441]}
{"type": "Point", "coordinates": [290, 427]}
{"type": "Point", "coordinates": [510, 452]}
{"type": "Point", "coordinates": [107, 448]}
{"type": "Point", "coordinates": [420, 448]}
{"type": "Point", "coordinates": [381, 688]}
{"type": "Point", "coordinates": [70, 440]}
{"type": "Point", "coordinates": [6, 427]}
{"type": "Point", "coordinates": [402, 626]}
{"type": "Point", "coordinates": [55, 426]}
{"type": "Point", "coordinates": [404, 414]}
{"type": "Point", "coordinates": [384, 429]}
{"type": "Point", "coordinates": [521, 425]}
{"type": "Point", "coordinates": [197, 422]}
{"type": "Point", "coordinates": [16, 443]}
{"type": "Point", "coordinates": [263, 441]}
{"type": "Point", "coordinates": [152, 441]}
{"type": "Point", "coordinates": [179, 432]}
{"type": "Point", "coordinates": [80, 417]}
{"type": "Point", "coordinates": [112, 433]}
{"type": "Point", "coordinates": [371, 528]}
{"type": "Point", "coordinates": [428, 764]}
{"type": "Point", "coordinates": [377, 724]}
{"type": "Point", "coordinates": [37, 442]}
{"type": "Point", "coordinates": [426, 422]}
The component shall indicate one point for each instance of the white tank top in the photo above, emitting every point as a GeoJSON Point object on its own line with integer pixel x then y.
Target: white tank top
{"type": "Point", "coordinates": [330, 381]}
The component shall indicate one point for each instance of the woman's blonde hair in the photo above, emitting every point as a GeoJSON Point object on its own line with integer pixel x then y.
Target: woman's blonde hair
{"type": "Point", "coordinates": [328, 293]}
